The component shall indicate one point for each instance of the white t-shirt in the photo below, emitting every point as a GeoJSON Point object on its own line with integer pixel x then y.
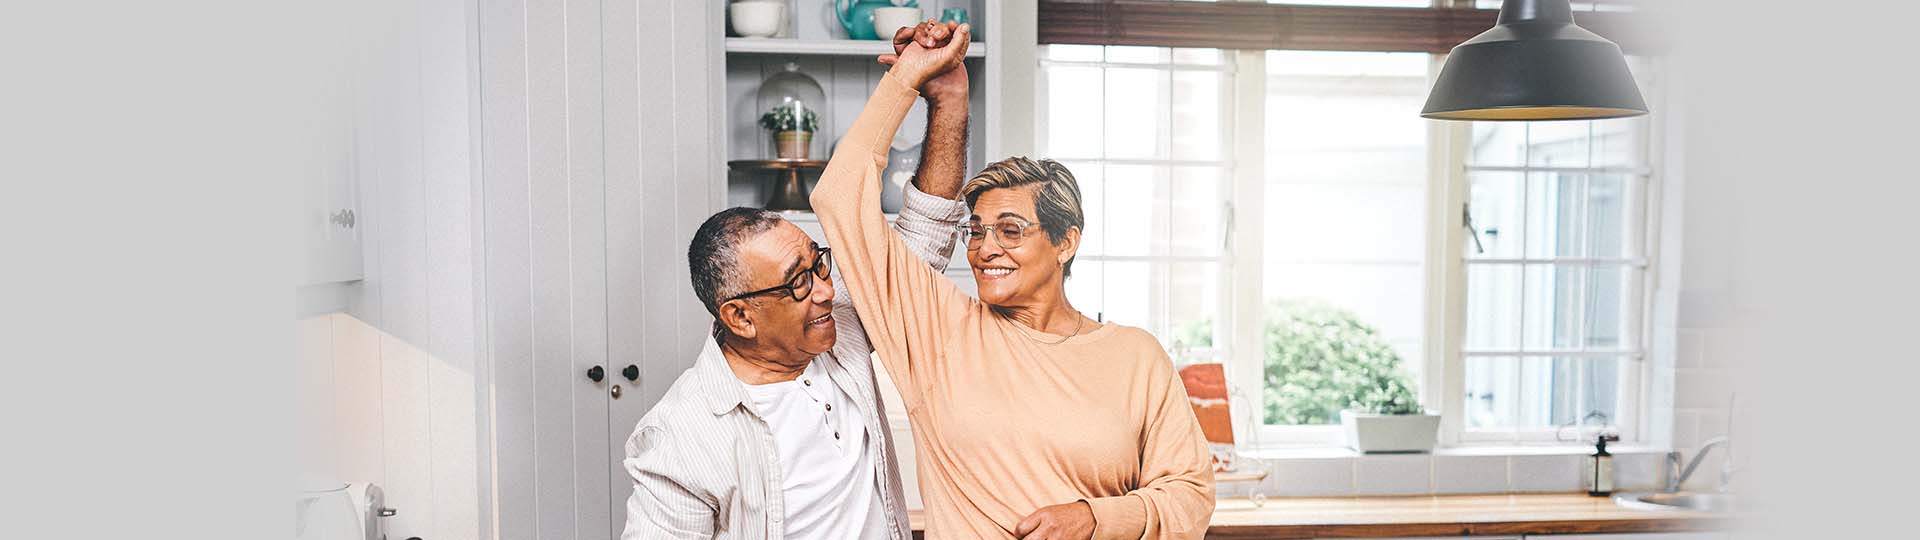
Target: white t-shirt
{"type": "Point", "coordinates": [829, 491]}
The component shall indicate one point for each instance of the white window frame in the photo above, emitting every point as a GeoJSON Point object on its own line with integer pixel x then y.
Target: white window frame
{"type": "Point", "coordinates": [1642, 204]}
{"type": "Point", "coordinates": [1442, 384]}
{"type": "Point", "coordinates": [1226, 163]}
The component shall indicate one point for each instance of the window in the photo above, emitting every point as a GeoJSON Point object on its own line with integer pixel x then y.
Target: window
{"type": "Point", "coordinates": [1354, 191]}
{"type": "Point", "coordinates": [1343, 221]}
{"type": "Point", "coordinates": [1556, 275]}
{"type": "Point", "coordinates": [1144, 131]}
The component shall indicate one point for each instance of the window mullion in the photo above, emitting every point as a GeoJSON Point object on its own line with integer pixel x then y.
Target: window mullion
{"type": "Point", "coordinates": [1245, 306]}
{"type": "Point", "coordinates": [1444, 387]}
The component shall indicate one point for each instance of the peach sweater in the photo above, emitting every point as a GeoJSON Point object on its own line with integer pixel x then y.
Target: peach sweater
{"type": "Point", "coordinates": [1004, 423]}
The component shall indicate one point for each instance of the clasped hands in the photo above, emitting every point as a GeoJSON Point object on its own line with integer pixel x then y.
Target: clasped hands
{"type": "Point", "coordinates": [929, 57]}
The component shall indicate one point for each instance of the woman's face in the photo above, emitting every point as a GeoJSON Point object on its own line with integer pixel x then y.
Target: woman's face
{"type": "Point", "coordinates": [1028, 271]}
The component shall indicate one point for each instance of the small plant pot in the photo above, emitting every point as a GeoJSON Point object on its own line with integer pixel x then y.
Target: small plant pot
{"type": "Point", "coordinates": [1385, 433]}
{"type": "Point", "coordinates": [792, 144]}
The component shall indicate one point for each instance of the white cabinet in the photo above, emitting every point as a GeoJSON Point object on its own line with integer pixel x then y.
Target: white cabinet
{"type": "Point", "coordinates": [330, 219]}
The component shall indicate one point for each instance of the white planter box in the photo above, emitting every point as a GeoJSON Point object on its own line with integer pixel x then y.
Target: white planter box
{"type": "Point", "coordinates": [1368, 432]}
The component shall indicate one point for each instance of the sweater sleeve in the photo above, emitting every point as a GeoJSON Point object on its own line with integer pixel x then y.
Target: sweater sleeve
{"type": "Point", "coordinates": [927, 225]}
{"type": "Point", "coordinates": [904, 305]}
{"type": "Point", "coordinates": [1175, 498]}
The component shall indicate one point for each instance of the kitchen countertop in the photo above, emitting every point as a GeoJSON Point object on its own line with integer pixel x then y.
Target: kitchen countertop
{"type": "Point", "coordinates": [1438, 515]}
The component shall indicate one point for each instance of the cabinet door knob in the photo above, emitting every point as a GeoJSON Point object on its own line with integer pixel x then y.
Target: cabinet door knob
{"type": "Point", "coordinates": [596, 373]}
{"type": "Point", "coordinates": [631, 372]}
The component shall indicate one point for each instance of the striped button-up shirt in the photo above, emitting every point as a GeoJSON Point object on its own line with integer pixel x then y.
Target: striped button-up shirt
{"type": "Point", "coordinates": [703, 462]}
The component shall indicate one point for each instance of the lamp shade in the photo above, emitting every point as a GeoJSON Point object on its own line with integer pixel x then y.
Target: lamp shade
{"type": "Point", "coordinates": [1534, 64]}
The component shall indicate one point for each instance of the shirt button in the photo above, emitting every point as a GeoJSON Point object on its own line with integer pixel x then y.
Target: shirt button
{"type": "Point", "coordinates": [836, 435]}
{"type": "Point", "coordinates": [808, 382]}
{"type": "Point", "coordinates": [829, 406]}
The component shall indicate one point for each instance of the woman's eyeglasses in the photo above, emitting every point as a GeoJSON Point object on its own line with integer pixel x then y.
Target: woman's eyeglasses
{"type": "Point", "coordinates": [1009, 233]}
{"type": "Point", "coordinates": [801, 286]}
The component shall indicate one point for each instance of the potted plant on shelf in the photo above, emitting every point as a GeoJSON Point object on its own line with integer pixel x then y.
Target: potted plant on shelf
{"type": "Point", "coordinates": [1386, 418]}
{"type": "Point", "coordinates": [792, 126]}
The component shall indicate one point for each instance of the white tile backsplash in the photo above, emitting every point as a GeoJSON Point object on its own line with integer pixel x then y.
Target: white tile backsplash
{"type": "Point", "coordinates": [1723, 347]}
{"type": "Point", "coordinates": [1470, 474]}
{"type": "Point", "coordinates": [1701, 389]}
{"type": "Point", "coordinates": [1393, 475]}
{"type": "Point", "coordinates": [1638, 472]}
{"type": "Point", "coordinates": [1310, 477]}
{"type": "Point", "coordinates": [1688, 349]}
{"type": "Point", "coordinates": [1545, 473]}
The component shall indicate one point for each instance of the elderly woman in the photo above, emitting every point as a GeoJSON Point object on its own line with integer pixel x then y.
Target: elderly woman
{"type": "Point", "coordinates": [1031, 420]}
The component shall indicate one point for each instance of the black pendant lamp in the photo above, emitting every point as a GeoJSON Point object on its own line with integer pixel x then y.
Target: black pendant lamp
{"type": "Point", "coordinates": [1534, 64]}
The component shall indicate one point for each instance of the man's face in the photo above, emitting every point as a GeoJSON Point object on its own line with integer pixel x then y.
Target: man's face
{"type": "Point", "coordinates": [800, 328]}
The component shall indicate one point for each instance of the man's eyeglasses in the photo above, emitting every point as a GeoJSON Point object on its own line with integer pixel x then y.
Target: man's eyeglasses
{"type": "Point", "coordinates": [1008, 232]}
{"type": "Point", "coordinates": [801, 286]}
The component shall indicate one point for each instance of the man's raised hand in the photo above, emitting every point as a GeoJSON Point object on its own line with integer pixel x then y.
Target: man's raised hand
{"type": "Point", "coordinates": [930, 50]}
{"type": "Point", "coordinates": [949, 86]}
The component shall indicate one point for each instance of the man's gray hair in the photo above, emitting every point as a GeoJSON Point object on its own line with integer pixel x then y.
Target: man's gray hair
{"type": "Point", "coordinates": [1056, 195]}
{"type": "Point", "coordinates": [713, 258]}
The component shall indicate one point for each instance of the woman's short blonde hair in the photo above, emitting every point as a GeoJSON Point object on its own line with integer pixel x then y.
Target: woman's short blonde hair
{"type": "Point", "coordinates": [1056, 195]}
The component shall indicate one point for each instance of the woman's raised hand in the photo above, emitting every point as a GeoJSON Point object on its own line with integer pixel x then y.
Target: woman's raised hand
{"type": "Point", "coordinates": [928, 50]}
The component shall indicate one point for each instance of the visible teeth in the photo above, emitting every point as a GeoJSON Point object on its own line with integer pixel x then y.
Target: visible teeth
{"type": "Point", "coordinates": [823, 318]}
{"type": "Point", "coordinates": [998, 271]}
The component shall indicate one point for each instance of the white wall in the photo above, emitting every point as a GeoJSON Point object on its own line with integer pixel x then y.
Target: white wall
{"type": "Point", "coordinates": [1701, 321]}
{"type": "Point", "coordinates": [390, 387]}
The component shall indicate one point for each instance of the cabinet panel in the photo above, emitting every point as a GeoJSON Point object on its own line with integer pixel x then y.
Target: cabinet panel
{"type": "Point", "coordinates": [330, 217]}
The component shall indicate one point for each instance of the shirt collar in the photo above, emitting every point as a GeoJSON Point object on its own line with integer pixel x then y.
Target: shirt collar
{"type": "Point", "coordinates": [722, 389]}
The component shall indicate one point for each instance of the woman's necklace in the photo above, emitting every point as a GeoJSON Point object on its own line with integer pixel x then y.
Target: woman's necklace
{"type": "Point", "coordinates": [1078, 322]}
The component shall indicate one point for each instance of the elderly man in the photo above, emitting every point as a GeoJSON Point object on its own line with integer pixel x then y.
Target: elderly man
{"type": "Point", "coordinates": [777, 430]}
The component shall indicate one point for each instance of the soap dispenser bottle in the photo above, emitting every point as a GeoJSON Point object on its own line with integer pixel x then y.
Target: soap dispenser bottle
{"type": "Point", "coordinates": [1600, 467]}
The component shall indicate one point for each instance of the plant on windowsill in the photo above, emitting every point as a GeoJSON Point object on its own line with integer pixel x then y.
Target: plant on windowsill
{"type": "Point", "coordinates": [792, 133]}
{"type": "Point", "coordinates": [1387, 419]}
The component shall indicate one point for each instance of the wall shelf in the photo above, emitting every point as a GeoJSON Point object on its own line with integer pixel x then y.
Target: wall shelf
{"type": "Point", "coordinates": [826, 47]}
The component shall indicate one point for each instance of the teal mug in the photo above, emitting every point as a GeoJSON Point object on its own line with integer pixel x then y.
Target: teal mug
{"type": "Point", "coordinates": [954, 15]}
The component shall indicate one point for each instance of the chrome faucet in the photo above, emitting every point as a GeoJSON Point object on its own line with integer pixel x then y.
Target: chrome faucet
{"type": "Point", "coordinates": [1677, 476]}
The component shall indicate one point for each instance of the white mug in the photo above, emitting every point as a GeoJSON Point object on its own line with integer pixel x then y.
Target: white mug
{"type": "Point", "coordinates": [757, 19]}
{"type": "Point", "coordinates": [888, 20]}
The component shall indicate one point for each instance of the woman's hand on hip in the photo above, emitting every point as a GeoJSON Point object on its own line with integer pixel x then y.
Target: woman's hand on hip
{"type": "Point", "coordinates": [1071, 521]}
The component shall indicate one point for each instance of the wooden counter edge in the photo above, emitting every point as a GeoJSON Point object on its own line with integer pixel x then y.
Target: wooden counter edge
{"type": "Point", "coordinates": [1391, 530]}
{"type": "Point", "coordinates": [1641, 523]}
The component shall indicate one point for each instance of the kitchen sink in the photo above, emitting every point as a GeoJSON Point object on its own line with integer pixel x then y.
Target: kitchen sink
{"type": "Point", "coordinates": [1705, 502]}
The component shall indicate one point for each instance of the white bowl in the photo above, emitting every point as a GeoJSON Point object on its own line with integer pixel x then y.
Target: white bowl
{"type": "Point", "coordinates": [888, 20]}
{"type": "Point", "coordinates": [756, 19]}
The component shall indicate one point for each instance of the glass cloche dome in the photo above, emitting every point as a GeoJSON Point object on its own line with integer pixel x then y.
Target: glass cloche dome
{"type": "Point", "coordinates": [792, 110]}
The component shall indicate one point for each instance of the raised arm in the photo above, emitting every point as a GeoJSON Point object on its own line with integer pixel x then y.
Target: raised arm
{"type": "Point", "coordinates": [943, 155]}
{"type": "Point", "coordinates": [927, 226]}
{"type": "Point", "coordinates": [903, 303]}
{"type": "Point", "coordinates": [930, 216]}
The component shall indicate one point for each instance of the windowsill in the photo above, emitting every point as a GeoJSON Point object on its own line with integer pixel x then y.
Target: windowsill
{"type": "Point", "coordinates": [1335, 452]}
